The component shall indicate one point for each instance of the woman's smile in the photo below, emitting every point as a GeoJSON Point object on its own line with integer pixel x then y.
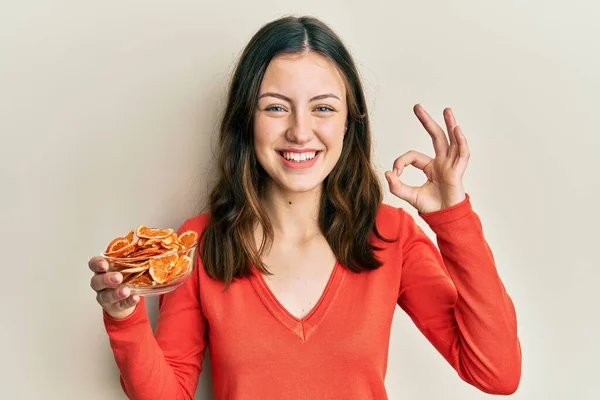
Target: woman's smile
{"type": "Point", "coordinates": [299, 160]}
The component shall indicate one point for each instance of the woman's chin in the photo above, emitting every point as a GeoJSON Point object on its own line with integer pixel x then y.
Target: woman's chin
{"type": "Point", "coordinates": [299, 185]}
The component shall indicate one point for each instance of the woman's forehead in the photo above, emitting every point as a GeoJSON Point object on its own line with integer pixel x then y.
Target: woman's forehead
{"type": "Point", "coordinates": [302, 75]}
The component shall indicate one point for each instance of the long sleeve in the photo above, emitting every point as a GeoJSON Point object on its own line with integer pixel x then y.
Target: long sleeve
{"type": "Point", "coordinates": [165, 364]}
{"type": "Point", "coordinates": [456, 298]}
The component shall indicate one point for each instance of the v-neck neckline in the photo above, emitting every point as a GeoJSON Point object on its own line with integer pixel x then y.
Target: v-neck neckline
{"type": "Point", "coordinates": [305, 326]}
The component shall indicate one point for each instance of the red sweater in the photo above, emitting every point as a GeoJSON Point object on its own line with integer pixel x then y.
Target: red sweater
{"type": "Point", "coordinates": [339, 351]}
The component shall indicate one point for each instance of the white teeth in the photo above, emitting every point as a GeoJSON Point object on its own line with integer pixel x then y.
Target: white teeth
{"type": "Point", "coordinates": [299, 156]}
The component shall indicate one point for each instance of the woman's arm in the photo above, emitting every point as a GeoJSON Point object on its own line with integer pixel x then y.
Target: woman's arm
{"type": "Point", "coordinates": [165, 364]}
{"type": "Point", "coordinates": [457, 299]}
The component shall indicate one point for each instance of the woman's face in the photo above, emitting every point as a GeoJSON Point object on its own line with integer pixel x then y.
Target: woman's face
{"type": "Point", "coordinates": [300, 121]}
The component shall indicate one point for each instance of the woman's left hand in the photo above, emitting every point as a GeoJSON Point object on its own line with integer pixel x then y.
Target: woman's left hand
{"type": "Point", "coordinates": [444, 186]}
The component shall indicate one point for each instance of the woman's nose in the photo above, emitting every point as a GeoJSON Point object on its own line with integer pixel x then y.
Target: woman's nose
{"type": "Point", "coordinates": [301, 130]}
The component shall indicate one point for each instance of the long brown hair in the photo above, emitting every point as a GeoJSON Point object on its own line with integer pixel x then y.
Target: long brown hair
{"type": "Point", "coordinates": [351, 194]}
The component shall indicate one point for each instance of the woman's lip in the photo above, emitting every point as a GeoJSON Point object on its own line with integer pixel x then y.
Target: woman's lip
{"type": "Point", "coordinates": [298, 150]}
{"type": "Point", "coordinates": [299, 165]}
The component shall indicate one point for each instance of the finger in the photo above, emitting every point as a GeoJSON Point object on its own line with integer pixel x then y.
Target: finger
{"type": "Point", "coordinates": [412, 157]}
{"type": "Point", "coordinates": [129, 302]}
{"type": "Point", "coordinates": [105, 280]}
{"type": "Point", "coordinates": [463, 149]}
{"type": "Point", "coordinates": [108, 297]}
{"type": "Point", "coordinates": [440, 142]}
{"type": "Point", "coordinates": [98, 264]}
{"type": "Point", "coordinates": [450, 124]}
{"type": "Point", "coordinates": [401, 189]}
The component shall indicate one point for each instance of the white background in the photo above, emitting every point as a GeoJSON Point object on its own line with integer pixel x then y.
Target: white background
{"type": "Point", "coordinates": [108, 112]}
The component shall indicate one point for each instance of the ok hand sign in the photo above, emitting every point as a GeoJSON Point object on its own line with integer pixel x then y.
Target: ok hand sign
{"type": "Point", "coordinates": [444, 186]}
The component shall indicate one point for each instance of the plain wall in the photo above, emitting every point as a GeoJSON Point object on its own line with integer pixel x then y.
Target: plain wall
{"type": "Point", "coordinates": [108, 112]}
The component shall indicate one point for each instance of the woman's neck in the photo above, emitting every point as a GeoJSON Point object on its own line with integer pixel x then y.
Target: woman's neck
{"type": "Point", "coordinates": [293, 215]}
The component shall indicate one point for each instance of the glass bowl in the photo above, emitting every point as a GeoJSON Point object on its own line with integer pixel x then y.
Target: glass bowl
{"type": "Point", "coordinates": [155, 274]}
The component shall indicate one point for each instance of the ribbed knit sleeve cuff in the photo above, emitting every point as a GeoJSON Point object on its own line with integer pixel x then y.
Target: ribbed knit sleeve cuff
{"type": "Point", "coordinates": [138, 316]}
{"type": "Point", "coordinates": [449, 214]}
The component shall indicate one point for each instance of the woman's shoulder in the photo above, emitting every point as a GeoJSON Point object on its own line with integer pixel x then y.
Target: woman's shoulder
{"type": "Point", "coordinates": [389, 215]}
{"type": "Point", "coordinates": [389, 219]}
{"type": "Point", "coordinates": [195, 223]}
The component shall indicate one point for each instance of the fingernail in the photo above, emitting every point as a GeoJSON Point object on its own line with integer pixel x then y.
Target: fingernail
{"type": "Point", "coordinates": [122, 292]}
{"type": "Point", "coordinates": [115, 278]}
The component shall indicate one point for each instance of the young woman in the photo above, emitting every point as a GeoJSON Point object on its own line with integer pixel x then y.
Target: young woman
{"type": "Point", "coordinates": [301, 264]}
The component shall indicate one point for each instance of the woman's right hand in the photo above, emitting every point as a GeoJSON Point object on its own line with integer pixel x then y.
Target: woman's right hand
{"type": "Point", "coordinates": [114, 298]}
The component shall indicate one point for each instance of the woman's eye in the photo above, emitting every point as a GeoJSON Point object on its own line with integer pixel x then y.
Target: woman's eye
{"type": "Point", "coordinates": [324, 109]}
{"type": "Point", "coordinates": [319, 109]}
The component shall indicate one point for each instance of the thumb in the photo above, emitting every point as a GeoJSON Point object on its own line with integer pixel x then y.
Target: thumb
{"type": "Point", "coordinates": [401, 190]}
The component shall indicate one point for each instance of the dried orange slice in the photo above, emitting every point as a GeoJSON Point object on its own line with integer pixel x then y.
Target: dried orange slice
{"type": "Point", "coordinates": [129, 277]}
{"type": "Point", "coordinates": [142, 280]}
{"type": "Point", "coordinates": [161, 269]}
{"type": "Point", "coordinates": [152, 233]}
{"type": "Point", "coordinates": [129, 264]}
{"type": "Point", "coordinates": [129, 236]}
{"type": "Point", "coordinates": [182, 267]}
{"type": "Point", "coordinates": [148, 242]}
{"type": "Point", "coordinates": [116, 244]}
{"type": "Point", "coordinates": [132, 270]}
{"type": "Point", "coordinates": [117, 266]}
{"type": "Point", "coordinates": [122, 251]}
{"type": "Point", "coordinates": [188, 239]}
{"type": "Point", "coordinates": [149, 252]}
{"type": "Point", "coordinates": [172, 238]}
{"type": "Point", "coordinates": [172, 246]}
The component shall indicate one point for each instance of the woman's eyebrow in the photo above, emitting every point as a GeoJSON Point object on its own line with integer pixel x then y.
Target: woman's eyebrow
{"type": "Point", "coordinates": [282, 97]}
